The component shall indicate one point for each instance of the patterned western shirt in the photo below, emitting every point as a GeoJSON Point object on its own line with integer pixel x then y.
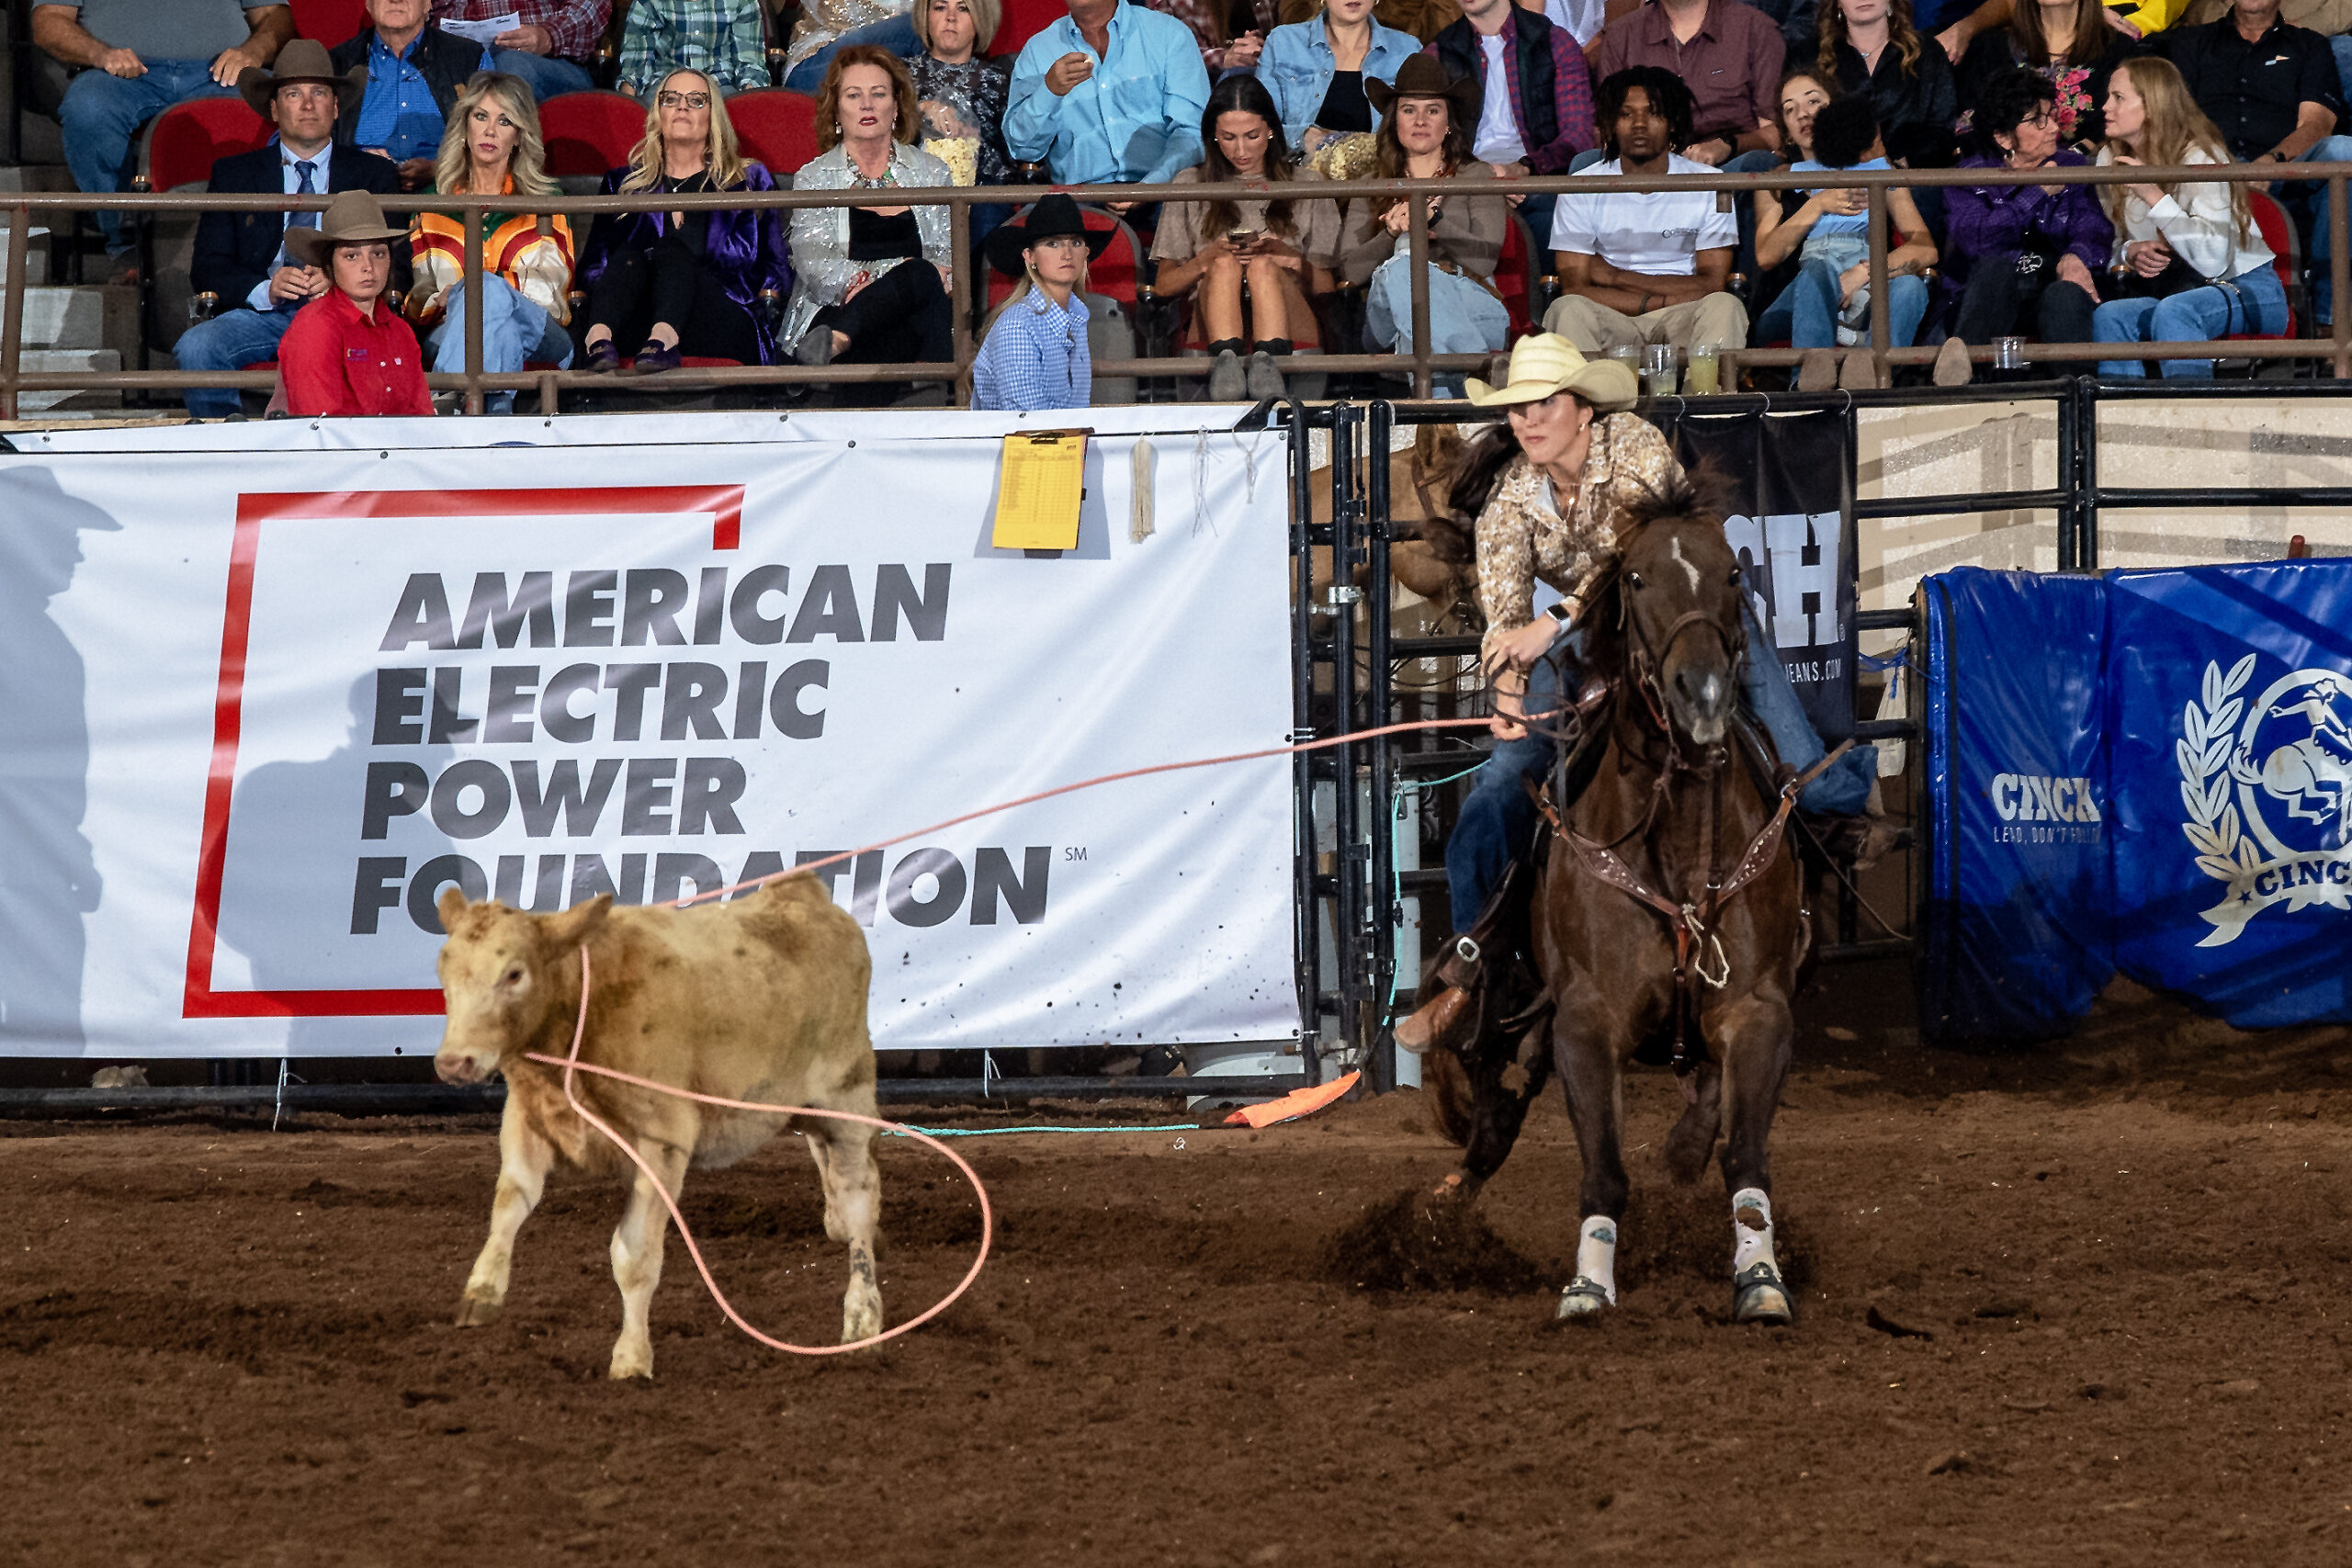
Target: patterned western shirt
{"type": "Point", "coordinates": [1523, 537]}
{"type": "Point", "coordinates": [573, 26]}
{"type": "Point", "coordinates": [721, 39]}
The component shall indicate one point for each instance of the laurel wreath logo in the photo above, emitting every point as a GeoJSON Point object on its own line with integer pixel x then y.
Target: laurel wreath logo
{"type": "Point", "coordinates": [2208, 768]}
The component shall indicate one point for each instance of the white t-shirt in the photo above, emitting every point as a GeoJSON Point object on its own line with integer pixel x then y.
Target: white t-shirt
{"type": "Point", "coordinates": [1659, 232]}
{"type": "Point", "coordinates": [1582, 18]}
{"type": "Point", "coordinates": [1498, 139]}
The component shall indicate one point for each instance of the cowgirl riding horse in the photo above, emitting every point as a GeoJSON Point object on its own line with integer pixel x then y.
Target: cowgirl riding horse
{"type": "Point", "coordinates": [1550, 490]}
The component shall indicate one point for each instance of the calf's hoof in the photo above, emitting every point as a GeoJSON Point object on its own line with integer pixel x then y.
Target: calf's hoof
{"type": "Point", "coordinates": [1758, 1296]}
{"type": "Point", "coordinates": [861, 1320]}
{"type": "Point", "coordinates": [478, 1312]}
{"type": "Point", "coordinates": [1581, 1301]}
{"type": "Point", "coordinates": [631, 1361]}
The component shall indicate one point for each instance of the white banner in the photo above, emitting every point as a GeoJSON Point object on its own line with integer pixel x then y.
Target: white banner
{"type": "Point", "coordinates": [267, 691]}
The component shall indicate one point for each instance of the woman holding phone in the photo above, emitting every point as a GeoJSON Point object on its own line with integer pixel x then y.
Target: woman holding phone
{"type": "Point", "coordinates": [1281, 247]}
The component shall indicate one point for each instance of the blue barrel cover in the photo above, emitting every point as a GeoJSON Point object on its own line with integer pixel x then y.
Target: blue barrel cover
{"type": "Point", "coordinates": [2015, 941]}
{"type": "Point", "coordinates": [2147, 772]}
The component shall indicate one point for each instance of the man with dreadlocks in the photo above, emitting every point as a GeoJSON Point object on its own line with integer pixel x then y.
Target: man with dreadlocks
{"type": "Point", "coordinates": [1649, 266]}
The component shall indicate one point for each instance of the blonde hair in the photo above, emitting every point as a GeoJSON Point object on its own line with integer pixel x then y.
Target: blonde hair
{"type": "Point", "coordinates": [720, 153]}
{"type": "Point", "coordinates": [908, 125]}
{"type": "Point", "coordinates": [528, 165]}
{"type": "Point", "coordinates": [986, 17]}
{"type": "Point", "coordinates": [2171, 126]}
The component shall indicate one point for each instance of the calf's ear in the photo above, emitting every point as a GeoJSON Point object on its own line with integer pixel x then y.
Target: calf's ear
{"type": "Point", "coordinates": [451, 904]}
{"type": "Point", "coordinates": [578, 923]}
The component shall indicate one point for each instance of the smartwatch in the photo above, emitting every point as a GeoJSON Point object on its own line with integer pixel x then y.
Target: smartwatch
{"type": "Point", "coordinates": [1560, 611]}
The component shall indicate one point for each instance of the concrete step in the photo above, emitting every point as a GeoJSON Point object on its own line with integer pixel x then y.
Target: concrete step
{"type": "Point", "coordinates": [87, 317]}
{"type": "Point", "coordinates": [35, 253]}
{"type": "Point", "coordinates": [51, 361]}
{"type": "Point", "coordinates": [31, 175]}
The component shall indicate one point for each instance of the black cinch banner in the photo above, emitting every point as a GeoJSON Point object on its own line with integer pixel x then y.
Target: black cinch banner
{"type": "Point", "coordinates": [1789, 517]}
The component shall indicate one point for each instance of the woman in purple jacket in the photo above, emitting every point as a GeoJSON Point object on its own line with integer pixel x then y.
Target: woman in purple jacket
{"type": "Point", "coordinates": [2023, 258]}
{"type": "Point", "coordinates": [683, 282]}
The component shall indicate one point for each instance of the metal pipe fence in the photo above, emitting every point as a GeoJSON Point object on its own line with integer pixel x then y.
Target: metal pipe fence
{"type": "Point", "coordinates": [1420, 365]}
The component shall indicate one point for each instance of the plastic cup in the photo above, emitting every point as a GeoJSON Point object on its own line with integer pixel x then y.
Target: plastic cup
{"type": "Point", "coordinates": [1658, 370]}
{"type": "Point", "coordinates": [1703, 379]}
{"type": "Point", "coordinates": [2009, 353]}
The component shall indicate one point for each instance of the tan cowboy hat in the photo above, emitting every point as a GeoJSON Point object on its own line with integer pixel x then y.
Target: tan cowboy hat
{"type": "Point", "coordinates": [1546, 363]}
{"type": "Point", "coordinates": [353, 218]}
{"type": "Point", "coordinates": [301, 60]}
{"type": "Point", "coordinates": [1422, 77]}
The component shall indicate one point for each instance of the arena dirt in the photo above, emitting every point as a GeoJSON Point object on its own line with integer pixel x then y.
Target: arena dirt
{"type": "Point", "coordinates": [2079, 1307]}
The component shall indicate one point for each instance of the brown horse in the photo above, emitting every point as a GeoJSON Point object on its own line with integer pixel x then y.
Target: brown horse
{"type": "Point", "coordinates": [1666, 919]}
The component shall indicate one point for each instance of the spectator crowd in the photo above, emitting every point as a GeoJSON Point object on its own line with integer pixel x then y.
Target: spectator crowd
{"type": "Point", "coordinates": [443, 96]}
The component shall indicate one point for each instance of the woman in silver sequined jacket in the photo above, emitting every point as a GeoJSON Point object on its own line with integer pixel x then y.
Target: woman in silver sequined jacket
{"type": "Point", "coordinates": [838, 258]}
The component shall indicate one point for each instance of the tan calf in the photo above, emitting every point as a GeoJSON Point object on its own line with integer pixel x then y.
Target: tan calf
{"type": "Point", "coordinates": [762, 998]}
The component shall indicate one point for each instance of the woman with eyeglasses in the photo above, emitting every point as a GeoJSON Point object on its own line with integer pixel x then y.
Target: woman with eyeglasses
{"type": "Point", "coordinates": [680, 282]}
{"type": "Point", "coordinates": [2021, 257]}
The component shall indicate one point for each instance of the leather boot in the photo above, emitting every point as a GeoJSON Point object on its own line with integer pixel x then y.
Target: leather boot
{"type": "Point", "coordinates": [1460, 971]}
{"type": "Point", "coordinates": [1432, 1020]}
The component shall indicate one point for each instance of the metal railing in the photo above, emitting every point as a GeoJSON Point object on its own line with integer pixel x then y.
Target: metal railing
{"type": "Point", "coordinates": [1420, 365]}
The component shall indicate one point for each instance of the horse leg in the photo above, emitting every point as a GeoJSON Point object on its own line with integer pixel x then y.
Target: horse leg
{"type": "Point", "coordinates": [1501, 1089]}
{"type": "Point", "coordinates": [1693, 1138]}
{"type": "Point", "coordinates": [1757, 1035]}
{"type": "Point", "coordinates": [1590, 1071]}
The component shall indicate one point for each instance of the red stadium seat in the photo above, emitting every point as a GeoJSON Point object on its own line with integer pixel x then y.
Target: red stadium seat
{"type": "Point", "coordinates": [776, 127]}
{"type": "Point", "coordinates": [1515, 274]}
{"type": "Point", "coordinates": [2278, 233]}
{"type": "Point", "coordinates": [1023, 20]}
{"type": "Point", "coordinates": [1114, 273]}
{"type": "Point", "coordinates": [183, 142]}
{"type": "Point", "coordinates": [590, 133]}
{"type": "Point", "coordinates": [330, 22]}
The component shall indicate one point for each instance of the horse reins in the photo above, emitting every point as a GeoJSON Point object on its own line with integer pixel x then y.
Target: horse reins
{"type": "Point", "coordinates": [1692, 921]}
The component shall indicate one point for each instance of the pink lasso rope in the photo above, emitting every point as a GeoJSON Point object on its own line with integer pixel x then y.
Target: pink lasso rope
{"type": "Point", "coordinates": [572, 1063]}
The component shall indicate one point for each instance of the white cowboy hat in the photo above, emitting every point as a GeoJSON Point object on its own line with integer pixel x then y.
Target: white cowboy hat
{"type": "Point", "coordinates": [1546, 363]}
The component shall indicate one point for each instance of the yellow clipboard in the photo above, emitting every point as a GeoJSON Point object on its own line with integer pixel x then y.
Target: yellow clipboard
{"type": "Point", "coordinates": [1038, 491]}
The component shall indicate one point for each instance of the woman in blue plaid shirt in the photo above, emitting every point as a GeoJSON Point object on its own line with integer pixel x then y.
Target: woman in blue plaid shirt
{"type": "Point", "coordinates": [1035, 355]}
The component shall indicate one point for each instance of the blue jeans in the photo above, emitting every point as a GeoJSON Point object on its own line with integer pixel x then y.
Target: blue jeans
{"type": "Point", "coordinates": [1463, 318]}
{"type": "Point", "coordinates": [547, 76]}
{"type": "Point", "coordinates": [1805, 312]}
{"type": "Point", "coordinates": [896, 34]}
{"type": "Point", "coordinates": [230, 341]}
{"type": "Point", "coordinates": [2306, 204]}
{"type": "Point", "coordinates": [2256, 304]}
{"type": "Point", "coordinates": [101, 117]}
{"type": "Point", "coordinates": [515, 332]}
{"type": "Point", "coordinates": [1498, 821]}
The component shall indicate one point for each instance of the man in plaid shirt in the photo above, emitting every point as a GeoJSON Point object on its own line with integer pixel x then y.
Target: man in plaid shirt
{"type": "Point", "coordinates": [549, 48]}
{"type": "Point", "coordinates": [724, 40]}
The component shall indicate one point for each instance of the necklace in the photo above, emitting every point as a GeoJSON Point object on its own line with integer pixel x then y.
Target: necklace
{"type": "Point", "coordinates": [861, 181]}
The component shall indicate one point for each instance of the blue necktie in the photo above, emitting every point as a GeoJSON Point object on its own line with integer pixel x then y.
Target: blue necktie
{"type": "Point", "coordinates": [308, 171]}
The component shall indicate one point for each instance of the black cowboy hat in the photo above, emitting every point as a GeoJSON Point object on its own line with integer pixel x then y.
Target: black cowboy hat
{"type": "Point", "coordinates": [1422, 77]}
{"type": "Point", "coordinates": [301, 61]}
{"type": "Point", "coordinates": [1052, 217]}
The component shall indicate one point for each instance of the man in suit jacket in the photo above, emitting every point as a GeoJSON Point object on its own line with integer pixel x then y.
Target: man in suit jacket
{"type": "Point", "coordinates": [414, 73]}
{"type": "Point", "coordinates": [241, 258]}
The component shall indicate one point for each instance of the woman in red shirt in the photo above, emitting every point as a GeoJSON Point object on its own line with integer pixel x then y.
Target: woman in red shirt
{"type": "Point", "coordinates": [346, 352]}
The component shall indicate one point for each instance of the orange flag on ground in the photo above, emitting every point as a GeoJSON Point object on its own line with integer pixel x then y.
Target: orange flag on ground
{"type": "Point", "coordinates": [1299, 1102]}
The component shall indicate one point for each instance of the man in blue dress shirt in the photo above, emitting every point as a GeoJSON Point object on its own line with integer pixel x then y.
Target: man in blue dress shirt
{"type": "Point", "coordinates": [1110, 94]}
{"type": "Point", "coordinates": [414, 71]}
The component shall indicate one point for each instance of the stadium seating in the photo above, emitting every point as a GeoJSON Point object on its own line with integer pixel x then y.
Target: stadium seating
{"type": "Point", "coordinates": [182, 144]}
{"type": "Point", "coordinates": [1025, 19]}
{"type": "Point", "coordinates": [776, 127]}
{"type": "Point", "coordinates": [2278, 233]}
{"type": "Point", "coordinates": [588, 134]}
{"type": "Point", "coordinates": [330, 22]}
